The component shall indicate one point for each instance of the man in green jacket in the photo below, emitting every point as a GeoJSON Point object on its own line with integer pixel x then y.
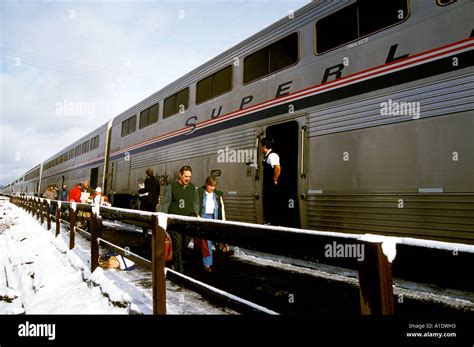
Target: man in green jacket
{"type": "Point", "coordinates": [180, 198]}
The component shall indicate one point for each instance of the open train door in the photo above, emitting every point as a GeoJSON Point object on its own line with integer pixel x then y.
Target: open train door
{"type": "Point", "coordinates": [285, 137]}
{"type": "Point", "coordinates": [94, 177]}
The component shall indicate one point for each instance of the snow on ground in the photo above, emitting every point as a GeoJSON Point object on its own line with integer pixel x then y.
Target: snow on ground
{"type": "Point", "coordinates": [40, 275]}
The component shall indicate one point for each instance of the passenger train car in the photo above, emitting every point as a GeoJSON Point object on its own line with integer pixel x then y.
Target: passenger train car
{"type": "Point", "coordinates": [370, 105]}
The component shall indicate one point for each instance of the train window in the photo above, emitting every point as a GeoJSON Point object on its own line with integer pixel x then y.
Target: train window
{"type": "Point", "coordinates": [153, 117]}
{"type": "Point", "coordinates": [94, 142]}
{"type": "Point", "coordinates": [71, 153]}
{"type": "Point", "coordinates": [129, 126]}
{"type": "Point", "coordinates": [222, 81]}
{"type": "Point", "coordinates": [176, 102]}
{"type": "Point", "coordinates": [149, 116]}
{"type": "Point", "coordinates": [169, 106]}
{"type": "Point", "coordinates": [144, 118]}
{"type": "Point", "coordinates": [376, 15]}
{"type": "Point", "coordinates": [125, 124]}
{"type": "Point", "coordinates": [360, 19]}
{"type": "Point", "coordinates": [337, 29]}
{"type": "Point", "coordinates": [284, 53]}
{"type": "Point", "coordinates": [204, 89]}
{"type": "Point", "coordinates": [256, 65]}
{"type": "Point", "coordinates": [78, 151]}
{"type": "Point", "coordinates": [214, 85]}
{"type": "Point", "coordinates": [271, 59]}
{"type": "Point", "coordinates": [85, 147]}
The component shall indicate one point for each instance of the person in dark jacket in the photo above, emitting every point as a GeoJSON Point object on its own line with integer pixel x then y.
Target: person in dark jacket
{"type": "Point", "coordinates": [62, 194]}
{"type": "Point", "coordinates": [180, 198]}
{"type": "Point", "coordinates": [149, 195]}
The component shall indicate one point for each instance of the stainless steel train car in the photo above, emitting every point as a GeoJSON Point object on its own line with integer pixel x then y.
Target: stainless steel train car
{"type": "Point", "coordinates": [370, 105]}
{"type": "Point", "coordinates": [28, 184]}
{"type": "Point", "coordinates": [83, 159]}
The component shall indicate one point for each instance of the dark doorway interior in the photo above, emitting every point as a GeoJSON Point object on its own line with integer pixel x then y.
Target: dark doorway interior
{"type": "Point", "coordinates": [285, 138]}
{"type": "Point", "coordinates": [94, 177]}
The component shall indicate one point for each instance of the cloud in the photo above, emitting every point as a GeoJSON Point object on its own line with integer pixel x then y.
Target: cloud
{"type": "Point", "coordinates": [109, 55]}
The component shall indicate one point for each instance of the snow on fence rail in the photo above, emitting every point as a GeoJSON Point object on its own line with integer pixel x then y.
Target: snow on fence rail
{"type": "Point", "coordinates": [372, 255]}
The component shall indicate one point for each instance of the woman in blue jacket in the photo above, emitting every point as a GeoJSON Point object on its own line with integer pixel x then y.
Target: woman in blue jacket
{"type": "Point", "coordinates": [210, 207]}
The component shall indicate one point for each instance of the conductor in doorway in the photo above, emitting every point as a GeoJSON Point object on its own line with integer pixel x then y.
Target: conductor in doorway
{"type": "Point", "coordinates": [271, 174]}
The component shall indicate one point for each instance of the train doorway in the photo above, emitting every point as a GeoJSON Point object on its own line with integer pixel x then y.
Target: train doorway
{"type": "Point", "coordinates": [94, 177]}
{"type": "Point", "coordinates": [285, 137]}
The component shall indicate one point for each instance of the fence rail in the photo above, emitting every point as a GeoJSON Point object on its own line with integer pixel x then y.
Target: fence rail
{"type": "Point", "coordinates": [374, 268]}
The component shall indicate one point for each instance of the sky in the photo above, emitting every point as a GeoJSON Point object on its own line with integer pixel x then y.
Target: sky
{"type": "Point", "coordinates": [68, 67]}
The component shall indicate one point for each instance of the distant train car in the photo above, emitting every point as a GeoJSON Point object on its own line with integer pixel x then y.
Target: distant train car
{"type": "Point", "coordinates": [30, 183]}
{"type": "Point", "coordinates": [84, 159]}
{"type": "Point", "coordinates": [370, 105]}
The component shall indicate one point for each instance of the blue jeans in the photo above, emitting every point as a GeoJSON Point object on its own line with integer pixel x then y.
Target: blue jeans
{"type": "Point", "coordinates": [207, 261]}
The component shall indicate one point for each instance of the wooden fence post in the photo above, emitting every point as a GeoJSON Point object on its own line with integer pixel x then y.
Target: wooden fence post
{"type": "Point", "coordinates": [72, 225]}
{"type": "Point", "coordinates": [37, 208]}
{"type": "Point", "coordinates": [48, 214]}
{"type": "Point", "coordinates": [375, 281]}
{"type": "Point", "coordinates": [94, 241]}
{"type": "Point", "coordinates": [158, 265]}
{"type": "Point", "coordinates": [42, 210]}
{"type": "Point", "coordinates": [58, 218]}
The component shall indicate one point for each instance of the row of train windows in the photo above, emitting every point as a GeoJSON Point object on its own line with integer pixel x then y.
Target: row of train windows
{"type": "Point", "coordinates": [32, 175]}
{"type": "Point", "coordinates": [359, 19]}
{"type": "Point", "coordinates": [83, 148]}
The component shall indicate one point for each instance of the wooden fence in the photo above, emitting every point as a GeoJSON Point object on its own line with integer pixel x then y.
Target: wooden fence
{"type": "Point", "coordinates": [375, 276]}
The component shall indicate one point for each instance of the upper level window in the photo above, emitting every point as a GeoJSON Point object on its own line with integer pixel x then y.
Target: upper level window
{"type": "Point", "coordinates": [94, 142]}
{"type": "Point", "coordinates": [77, 151]}
{"type": "Point", "coordinates": [175, 103]}
{"type": "Point", "coordinates": [149, 116]}
{"type": "Point", "coordinates": [214, 85]}
{"type": "Point", "coordinates": [271, 59]}
{"type": "Point", "coordinates": [360, 19]}
{"type": "Point", "coordinates": [85, 147]}
{"type": "Point", "coordinates": [129, 126]}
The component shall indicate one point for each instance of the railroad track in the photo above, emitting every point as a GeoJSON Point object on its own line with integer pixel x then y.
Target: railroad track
{"type": "Point", "coordinates": [292, 287]}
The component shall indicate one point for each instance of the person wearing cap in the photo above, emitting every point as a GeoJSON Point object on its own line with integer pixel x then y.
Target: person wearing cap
{"type": "Point", "coordinates": [50, 193]}
{"type": "Point", "coordinates": [99, 199]}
